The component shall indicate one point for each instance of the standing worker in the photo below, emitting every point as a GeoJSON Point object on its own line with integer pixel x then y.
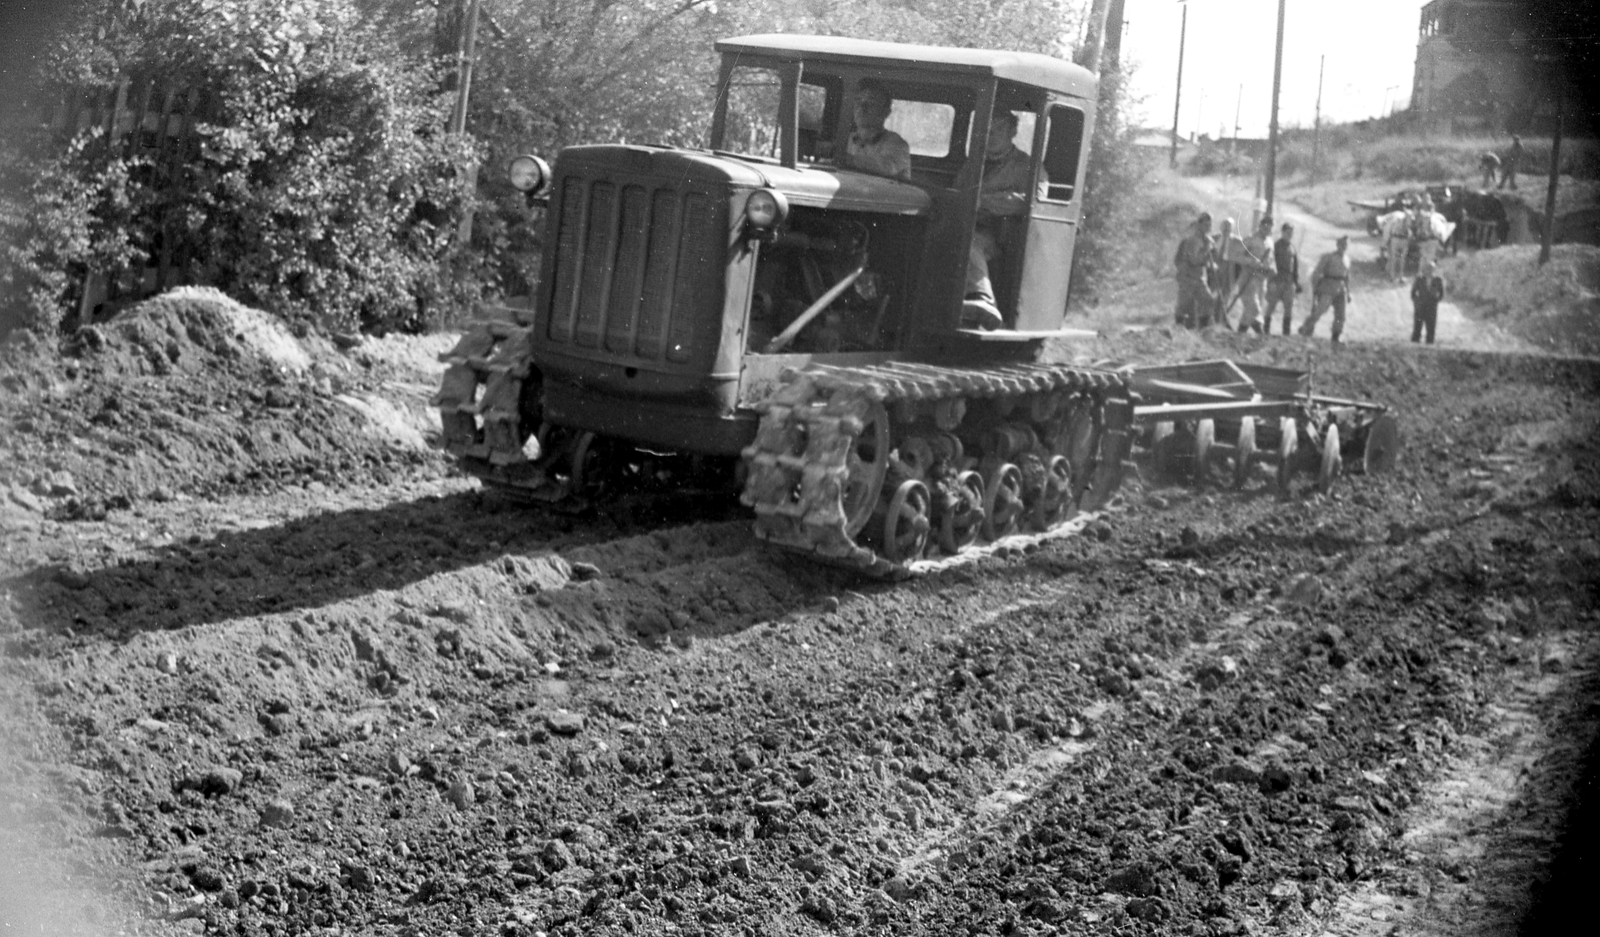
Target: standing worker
{"type": "Point", "coordinates": [1426, 293]}
{"type": "Point", "coordinates": [1508, 172]}
{"type": "Point", "coordinates": [1225, 255]}
{"type": "Point", "coordinates": [1425, 232]}
{"type": "Point", "coordinates": [1257, 267]}
{"type": "Point", "coordinates": [1330, 286]}
{"type": "Point", "coordinates": [1489, 164]}
{"type": "Point", "coordinates": [1285, 282]}
{"type": "Point", "coordinates": [1192, 261]}
{"type": "Point", "coordinates": [1395, 228]}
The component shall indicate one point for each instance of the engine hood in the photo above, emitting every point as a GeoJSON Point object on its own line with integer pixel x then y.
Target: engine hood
{"type": "Point", "coordinates": [811, 187]}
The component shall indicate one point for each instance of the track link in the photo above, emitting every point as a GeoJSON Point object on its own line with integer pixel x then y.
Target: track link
{"type": "Point", "coordinates": [839, 451]}
{"type": "Point", "coordinates": [480, 403]}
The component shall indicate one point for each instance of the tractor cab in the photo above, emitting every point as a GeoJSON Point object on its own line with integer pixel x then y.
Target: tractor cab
{"type": "Point", "coordinates": [786, 105]}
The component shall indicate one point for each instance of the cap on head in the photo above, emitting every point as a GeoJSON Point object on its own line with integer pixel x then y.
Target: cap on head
{"type": "Point", "coordinates": [1342, 241]}
{"type": "Point", "coordinates": [1205, 218]}
{"type": "Point", "coordinates": [1287, 227]}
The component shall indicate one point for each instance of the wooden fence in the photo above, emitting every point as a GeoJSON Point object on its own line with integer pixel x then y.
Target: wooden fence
{"type": "Point", "coordinates": [156, 121]}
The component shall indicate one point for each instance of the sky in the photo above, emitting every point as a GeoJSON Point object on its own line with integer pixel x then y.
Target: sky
{"type": "Point", "coordinates": [1370, 45]}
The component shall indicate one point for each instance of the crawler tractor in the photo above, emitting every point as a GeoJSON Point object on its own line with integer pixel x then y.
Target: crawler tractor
{"type": "Point", "coordinates": [756, 312]}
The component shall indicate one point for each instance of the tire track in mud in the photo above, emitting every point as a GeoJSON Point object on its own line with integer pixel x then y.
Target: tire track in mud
{"type": "Point", "coordinates": [1477, 842]}
{"type": "Point", "coordinates": [771, 758]}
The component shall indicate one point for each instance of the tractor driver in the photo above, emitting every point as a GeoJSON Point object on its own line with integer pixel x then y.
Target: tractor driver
{"type": "Point", "coordinates": [1003, 193]}
{"type": "Point", "coordinates": [872, 148]}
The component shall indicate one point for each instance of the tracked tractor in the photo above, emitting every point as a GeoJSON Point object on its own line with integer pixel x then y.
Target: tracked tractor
{"type": "Point", "coordinates": [756, 311]}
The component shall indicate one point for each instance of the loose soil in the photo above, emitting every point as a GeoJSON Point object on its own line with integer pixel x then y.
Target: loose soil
{"type": "Point", "coordinates": [271, 667]}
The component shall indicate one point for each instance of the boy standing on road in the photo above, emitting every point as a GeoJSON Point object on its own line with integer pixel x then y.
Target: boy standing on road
{"type": "Point", "coordinates": [1285, 282]}
{"type": "Point", "coordinates": [1330, 286]}
{"type": "Point", "coordinates": [1426, 293]}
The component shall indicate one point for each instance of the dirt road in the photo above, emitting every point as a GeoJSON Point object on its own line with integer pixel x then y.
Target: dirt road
{"type": "Point", "coordinates": [268, 668]}
{"type": "Point", "coordinates": [1379, 311]}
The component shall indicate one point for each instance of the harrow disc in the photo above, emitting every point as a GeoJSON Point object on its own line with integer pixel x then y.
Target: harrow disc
{"type": "Point", "coordinates": [1288, 442]}
{"type": "Point", "coordinates": [1205, 435]}
{"type": "Point", "coordinates": [1382, 445]}
{"type": "Point", "coordinates": [1332, 463]}
{"type": "Point", "coordinates": [1246, 454]}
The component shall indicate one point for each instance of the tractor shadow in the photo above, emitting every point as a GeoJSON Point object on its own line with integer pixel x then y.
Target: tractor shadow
{"type": "Point", "coordinates": [315, 561]}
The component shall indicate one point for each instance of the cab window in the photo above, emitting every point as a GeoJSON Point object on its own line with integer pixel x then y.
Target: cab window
{"type": "Point", "coordinates": [927, 126]}
{"type": "Point", "coordinates": [753, 95]}
{"type": "Point", "coordinates": [1063, 147]}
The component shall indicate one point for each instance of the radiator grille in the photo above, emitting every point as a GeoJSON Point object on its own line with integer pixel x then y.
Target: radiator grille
{"type": "Point", "coordinates": [637, 270]}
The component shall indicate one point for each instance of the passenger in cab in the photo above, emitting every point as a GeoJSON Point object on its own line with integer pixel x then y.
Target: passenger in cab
{"type": "Point", "coordinates": [872, 148]}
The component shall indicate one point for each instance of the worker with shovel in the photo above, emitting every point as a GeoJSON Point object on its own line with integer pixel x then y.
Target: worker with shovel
{"type": "Point", "coordinates": [1256, 267]}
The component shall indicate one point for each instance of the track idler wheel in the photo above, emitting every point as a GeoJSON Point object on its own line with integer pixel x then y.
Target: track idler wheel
{"type": "Point", "coordinates": [1053, 499]}
{"type": "Point", "coordinates": [1003, 505]}
{"type": "Point", "coordinates": [961, 518]}
{"type": "Point", "coordinates": [868, 463]}
{"type": "Point", "coordinates": [906, 524]}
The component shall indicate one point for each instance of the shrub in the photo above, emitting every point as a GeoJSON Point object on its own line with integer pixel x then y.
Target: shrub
{"type": "Point", "coordinates": [326, 188]}
{"type": "Point", "coordinates": [1117, 170]}
{"type": "Point", "coordinates": [1212, 159]}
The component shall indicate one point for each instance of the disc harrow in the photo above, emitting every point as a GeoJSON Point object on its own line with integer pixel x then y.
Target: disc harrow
{"type": "Point", "coordinates": [1216, 421]}
{"type": "Point", "coordinates": [887, 467]}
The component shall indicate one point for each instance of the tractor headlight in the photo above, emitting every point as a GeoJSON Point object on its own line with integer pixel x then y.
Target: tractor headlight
{"type": "Point", "coordinates": [530, 174]}
{"type": "Point", "coordinates": [766, 209]}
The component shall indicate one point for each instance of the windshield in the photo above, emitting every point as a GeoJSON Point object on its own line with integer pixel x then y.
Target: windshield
{"type": "Point", "coordinates": [932, 120]}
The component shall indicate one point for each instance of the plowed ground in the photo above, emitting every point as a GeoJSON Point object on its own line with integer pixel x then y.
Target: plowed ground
{"type": "Point", "coordinates": [269, 667]}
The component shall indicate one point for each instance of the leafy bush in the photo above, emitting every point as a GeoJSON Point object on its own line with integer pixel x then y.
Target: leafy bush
{"type": "Point", "coordinates": [1210, 159]}
{"type": "Point", "coordinates": [326, 188]}
{"type": "Point", "coordinates": [1117, 170]}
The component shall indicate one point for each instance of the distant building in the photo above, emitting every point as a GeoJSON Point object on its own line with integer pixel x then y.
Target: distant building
{"type": "Point", "coordinates": [1494, 65]}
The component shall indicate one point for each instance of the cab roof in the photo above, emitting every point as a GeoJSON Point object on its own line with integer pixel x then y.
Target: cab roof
{"type": "Point", "coordinates": [1028, 68]}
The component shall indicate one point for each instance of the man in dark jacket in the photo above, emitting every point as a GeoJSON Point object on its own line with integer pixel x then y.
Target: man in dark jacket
{"type": "Point", "coordinates": [1193, 265]}
{"type": "Point", "coordinates": [1513, 162]}
{"type": "Point", "coordinates": [1426, 292]}
{"type": "Point", "coordinates": [1285, 282]}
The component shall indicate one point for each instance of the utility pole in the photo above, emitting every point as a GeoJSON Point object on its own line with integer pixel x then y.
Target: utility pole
{"type": "Point", "coordinates": [1116, 30]}
{"type": "Point", "coordinates": [1094, 39]}
{"type": "Point", "coordinates": [1272, 132]}
{"type": "Point", "coordinates": [1177, 97]}
{"type": "Point", "coordinates": [1316, 128]}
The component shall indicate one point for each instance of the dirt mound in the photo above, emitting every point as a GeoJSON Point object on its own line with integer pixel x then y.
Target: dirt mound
{"type": "Point", "coordinates": [190, 393]}
{"type": "Point", "coordinates": [1556, 306]}
{"type": "Point", "coordinates": [191, 329]}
